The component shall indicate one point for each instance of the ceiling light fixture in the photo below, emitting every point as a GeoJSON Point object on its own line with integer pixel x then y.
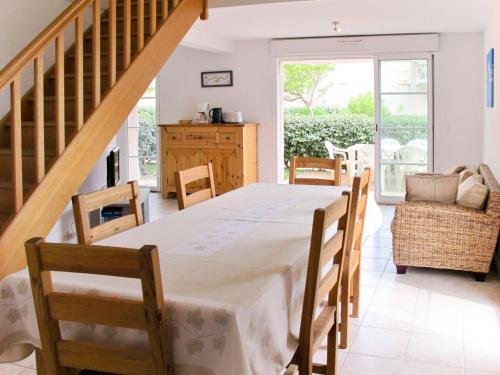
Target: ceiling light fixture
{"type": "Point", "coordinates": [336, 28]}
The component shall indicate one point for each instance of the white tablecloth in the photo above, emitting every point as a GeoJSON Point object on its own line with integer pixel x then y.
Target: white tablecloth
{"type": "Point", "coordinates": [233, 271]}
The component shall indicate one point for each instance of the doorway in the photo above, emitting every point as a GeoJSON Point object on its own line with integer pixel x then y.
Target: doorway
{"type": "Point", "coordinates": [328, 111]}
{"type": "Point", "coordinates": [374, 112]}
{"type": "Point", "coordinates": [142, 140]}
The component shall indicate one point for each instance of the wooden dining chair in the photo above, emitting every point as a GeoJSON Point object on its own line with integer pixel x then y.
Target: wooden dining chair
{"type": "Point", "coordinates": [351, 276]}
{"type": "Point", "coordinates": [187, 176]}
{"type": "Point", "coordinates": [315, 327]}
{"type": "Point", "coordinates": [334, 165]}
{"type": "Point", "coordinates": [58, 355]}
{"type": "Point", "coordinates": [84, 204]}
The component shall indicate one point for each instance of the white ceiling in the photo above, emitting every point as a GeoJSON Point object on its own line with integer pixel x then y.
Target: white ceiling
{"type": "Point", "coordinates": [357, 17]}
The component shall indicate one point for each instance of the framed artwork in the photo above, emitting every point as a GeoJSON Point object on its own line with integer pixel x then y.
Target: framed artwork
{"type": "Point", "coordinates": [490, 79]}
{"type": "Point", "coordinates": [217, 79]}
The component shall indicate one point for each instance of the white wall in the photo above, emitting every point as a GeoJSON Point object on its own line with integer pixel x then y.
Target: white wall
{"type": "Point", "coordinates": [253, 93]}
{"type": "Point", "coordinates": [22, 20]}
{"type": "Point", "coordinates": [491, 153]}
{"type": "Point", "coordinates": [459, 98]}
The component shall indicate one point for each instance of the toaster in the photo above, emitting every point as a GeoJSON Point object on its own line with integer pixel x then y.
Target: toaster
{"type": "Point", "coordinates": [232, 117]}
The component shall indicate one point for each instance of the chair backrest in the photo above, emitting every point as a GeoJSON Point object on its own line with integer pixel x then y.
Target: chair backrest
{"type": "Point", "coordinates": [84, 204]}
{"type": "Point", "coordinates": [359, 203]}
{"type": "Point", "coordinates": [334, 165]}
{"type": "Point", "coordinates": [187, 176]}
{"type": "Point", "coordinates": [314, 328]}
{"type": "Point", "coordinates": [52, 307]}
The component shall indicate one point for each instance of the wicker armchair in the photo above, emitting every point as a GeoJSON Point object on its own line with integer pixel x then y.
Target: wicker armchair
{"type": "Point", "coordinates": [437, 235]}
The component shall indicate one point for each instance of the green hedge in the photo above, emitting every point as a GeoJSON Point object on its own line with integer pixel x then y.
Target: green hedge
{"type": "Point", "coordinates": [305, 135]}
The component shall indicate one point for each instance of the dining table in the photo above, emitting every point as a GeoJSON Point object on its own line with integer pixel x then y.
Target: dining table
{"type": "Point", "coordinates": [233, 270]}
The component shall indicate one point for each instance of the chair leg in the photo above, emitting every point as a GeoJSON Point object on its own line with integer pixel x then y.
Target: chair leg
{"type": "Point", "coordinates": [332, 357]}
{"type": "Point", "coordinates": [344, 309]}
{"type": "Point", "coordinates": [355, 293]}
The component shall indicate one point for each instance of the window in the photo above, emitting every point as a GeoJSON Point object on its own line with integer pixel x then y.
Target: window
{"type": "Point", "coordinates": [142, 140]}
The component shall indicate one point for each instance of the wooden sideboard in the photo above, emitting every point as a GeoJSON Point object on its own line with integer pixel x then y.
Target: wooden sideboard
{"type": "Point", "coordinates": [232, 149]}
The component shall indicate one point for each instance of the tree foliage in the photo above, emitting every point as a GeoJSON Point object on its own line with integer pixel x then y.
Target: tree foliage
{"type": "Point", "coordinates": [147, 136]}
{"type": "Point", "coordinates": [362, 104]}
{"type": "Point", "coordinates": [306, 82]}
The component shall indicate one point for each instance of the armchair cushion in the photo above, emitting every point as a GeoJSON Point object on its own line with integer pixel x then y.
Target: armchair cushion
{"type": "Point", "coordinates": [465, 174]}
{"type": "Point", "coordinates": [432, 188]}
{"type": "Point", "coordinates": [455, 170]}
{"type": "Point", "coordinates": [472, 193]}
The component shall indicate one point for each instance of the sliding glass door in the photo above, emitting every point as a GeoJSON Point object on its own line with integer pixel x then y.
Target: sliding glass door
{"type": "Point", "coordinates": [404, 123]}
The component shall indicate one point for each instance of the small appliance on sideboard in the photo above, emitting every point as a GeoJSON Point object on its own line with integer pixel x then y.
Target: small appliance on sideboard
{"type": "Point", "coordinates": [215, 115]}
{"type": "Point", "coordinates": [235, 117]}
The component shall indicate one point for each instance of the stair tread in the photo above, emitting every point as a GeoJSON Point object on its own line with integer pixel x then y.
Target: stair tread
{"type": "Point", "coordinates": [85, 75]}
{"type": "Point", "coordinates": [46, 123]}
{"type": "Point", "coordinates": [7, 151]}
{"type": "Point", "coordinates": [8, 186]}
{"type": "Point", "coordinates": [67, 97]}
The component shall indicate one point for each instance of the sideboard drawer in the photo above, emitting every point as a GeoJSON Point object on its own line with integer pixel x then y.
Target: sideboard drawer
{"type": "Point", "coordinates": [227, 138]}
{"type": "Point", "coordinates": [200, 137]}
{"type": "Point", "coordinates": [174, 137]}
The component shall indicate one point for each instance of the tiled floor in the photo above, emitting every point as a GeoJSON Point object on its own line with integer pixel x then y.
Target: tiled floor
{"type": "Point", "coordinates": [425, 322]}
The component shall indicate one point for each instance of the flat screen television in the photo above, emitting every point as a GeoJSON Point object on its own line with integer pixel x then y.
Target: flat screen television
{"type": "Point", "coordinates": [113, 167]}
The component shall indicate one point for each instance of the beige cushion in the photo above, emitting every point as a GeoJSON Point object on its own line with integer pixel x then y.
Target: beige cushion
{"type": "Point", "coordinates": [455, 170]}
{"type": "Point", "coordinates": [432, 188]}
{"type": "Point", "coordinates": [472, 193]}
{"type": "Point", "coordinates": [465, 174]}
{"type": "Point", "coordinates": [473, 168]}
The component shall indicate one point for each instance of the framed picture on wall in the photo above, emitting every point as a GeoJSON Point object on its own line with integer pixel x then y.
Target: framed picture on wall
{"type": "Point", "coordinates": [490, 79]}
{"type": "Point", "coordinates": [217, 79]}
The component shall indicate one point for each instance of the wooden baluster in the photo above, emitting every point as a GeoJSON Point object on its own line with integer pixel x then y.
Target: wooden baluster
{"type": "Point", "coordinates": [39, 120]}
{"type": "Point", "coordinates": [16, 144]}
{"type": "Point", "coordinates": [60, 98]}
{"type": "Point", "coordinates": [79, 93]}
{"type": "Point", "coordinates": [140, 25]}
{"type": "Point", "coordinates": [176, 2]}
{"type": "Point", "coordinates": [112, 42]}
{"type": "Point", "coordinates": [165, 9]}
{"type": "Point", "coordinates": [152, 17]}
{"type": "Point", "coordinates": [127, 30]}
{"type": "Point", "coordinates": [96, 53]}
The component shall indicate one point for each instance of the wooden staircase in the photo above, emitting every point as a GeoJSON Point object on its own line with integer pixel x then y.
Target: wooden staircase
{"type": "Point", "coordinates": [54, 134]}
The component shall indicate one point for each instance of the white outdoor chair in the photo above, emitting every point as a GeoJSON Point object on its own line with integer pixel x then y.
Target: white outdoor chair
{"type": "Point", "coordinates": [420, 143]}
{"type": "Point", "coordinates": [394, 174]}
{"type": "Point", "coordinates": [388, 146]}
{"type": "Point", "coordinates": [365, 158]}
{"type": "Point", "coordinates": [334, 151]}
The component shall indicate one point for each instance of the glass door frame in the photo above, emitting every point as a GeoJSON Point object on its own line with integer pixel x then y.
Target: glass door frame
{"type": "Point", "coordinates": [377, 102]}
{"type": "Point", "coordinates": [156, 188]}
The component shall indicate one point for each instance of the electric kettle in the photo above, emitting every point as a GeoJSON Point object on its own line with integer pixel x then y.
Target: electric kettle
{"type": "Point", "coordinates": [215, 115]}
